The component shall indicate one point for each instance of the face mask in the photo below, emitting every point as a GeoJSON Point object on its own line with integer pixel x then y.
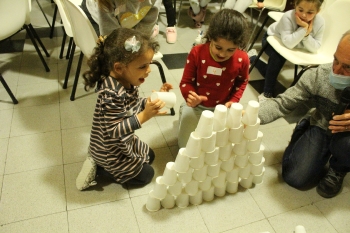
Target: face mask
{"type": "Point", "coordinates": [339, 81]}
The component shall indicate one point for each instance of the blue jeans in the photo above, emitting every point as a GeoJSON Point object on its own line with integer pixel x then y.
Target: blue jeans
{"type": "Point", "coordinates": [306, 156]}
{"type": "Point", "coordinates": [270, 70]}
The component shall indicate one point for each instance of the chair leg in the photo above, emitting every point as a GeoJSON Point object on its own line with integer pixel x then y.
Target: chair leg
{"type": "Point", "coordinates": [296, 79]}
{"type": "Point", "coordinates": [53, 21]}
{"type": "Point", "coordinates": [71, 42]}
{"type": "Point", "coordinates": [63, 43]}
{"type": "Point", "coordinates": [38, 39]}
{"type": "Point", "coordinates": [258, 33]}
{"type": "Point", "coordinates": [295, 71]}
{"type": "Point", "coordinates": [257, 58]}
{"type": "Point", "coordinates": [43, 13]}
{"type": "Point", "coordinates": [76, 79]}
{"type": "Point", "coordinates": [178, 14]}
{"type": "Point", "coordinates": [2, 80]}
{"type": "Point", "coordinates": [36, 48]}
{"type": "Point", "coordinates": [162, 76]}
{"type": "Point", "coordinates": [69, 67]}
{"type": "Point", "coordinates": [257, 22]}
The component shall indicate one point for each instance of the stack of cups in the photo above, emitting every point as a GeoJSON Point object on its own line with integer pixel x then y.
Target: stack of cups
{"type": "Point", "coordinates": [205, 125]}
{"type": "Point", "coordinates": [220, 116]}
{"type": "Point", "coordinates": [234, 116]}
{"type": "Point", "coordinates": [250, 116]}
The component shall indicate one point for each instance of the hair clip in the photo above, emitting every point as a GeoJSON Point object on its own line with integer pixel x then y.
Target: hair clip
{"type": "Point", "coordinates": [132, 44]}
{"type": "Point", "coordinates": [101, 40]}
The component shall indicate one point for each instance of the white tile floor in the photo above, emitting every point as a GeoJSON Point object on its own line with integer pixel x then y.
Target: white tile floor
{"type": "Point", "coordinates": [44, 139]}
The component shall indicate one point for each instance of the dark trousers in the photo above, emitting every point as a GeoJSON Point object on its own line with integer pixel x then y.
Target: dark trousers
{"type": "Point", "coordinates": [170, 12]}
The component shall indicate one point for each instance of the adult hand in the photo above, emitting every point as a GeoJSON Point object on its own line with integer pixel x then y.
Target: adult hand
{"type": "Point", "coordinates": [193, 99]}
{"type": "Point", "coordinates": [340, 123]}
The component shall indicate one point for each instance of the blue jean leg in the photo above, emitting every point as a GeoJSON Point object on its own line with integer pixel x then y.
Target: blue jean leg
{"type": "Point", "coordinates": [270, 70]}
{"type": "Point", "coordinates": [340, 149]}
{"type": "Point", "coordinates": [305, 158]}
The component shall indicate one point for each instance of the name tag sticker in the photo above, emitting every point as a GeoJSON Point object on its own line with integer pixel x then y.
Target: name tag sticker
{"type": "Point", "coordinates": [214, 70]}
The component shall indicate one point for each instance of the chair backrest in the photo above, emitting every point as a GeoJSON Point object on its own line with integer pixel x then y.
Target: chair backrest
{"type": "Point", "coordinates": [64, 17]}
{"type": "Point", "coordinates": [13, 15]}
{"type": "Point", "coordinates": [278, 5]}
{"type": "Point", "coordinates": [83, 33]}
{"type": "Point", "coordinates": [336, 18]}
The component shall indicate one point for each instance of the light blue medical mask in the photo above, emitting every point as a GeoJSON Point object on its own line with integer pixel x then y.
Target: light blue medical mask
{"type": "Point", "coordinates": [339, 81]}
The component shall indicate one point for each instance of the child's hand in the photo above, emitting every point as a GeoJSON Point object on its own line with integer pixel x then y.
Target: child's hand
{"type": "Point", "coordinates": [151, 109]}
{"type": "Point", "coordinates": [301, 23]}
{"type": "Point", "coordinates": [309, 29]}
{"type": "Point", "coordinates": [166, 87]}
{"type": "Point", "coordinates": [193, 99]}
{"type": "Point", "coordinates": [228, 104]}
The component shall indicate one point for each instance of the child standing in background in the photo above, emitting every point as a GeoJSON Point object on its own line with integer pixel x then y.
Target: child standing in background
{"type": "Point", "coordinates": [216, 72]}
{"type": "Point", "coordinates": [121, 63]}
{"type": "Point", "coordinates": [171, 34]}
{"type": "Point", "coordinates": [298, 28]}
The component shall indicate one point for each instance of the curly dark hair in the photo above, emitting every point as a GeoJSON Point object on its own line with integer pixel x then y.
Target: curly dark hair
{"type": "Point", "coordinates": [112, 50]}
{"type": "Point", "coordinates": [230, 25]}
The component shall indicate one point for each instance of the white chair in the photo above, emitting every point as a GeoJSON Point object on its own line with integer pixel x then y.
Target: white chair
{"type": "Point", "coordinates": [270, 5]}
{"type": "Point", "coordinates": [277, 15]}
{"type": "Point", "coordinates": [333, 14]}
{"type": "Point", "coordinates": [14, 16]}
{"type": "Point", "coordinates": [84, 37]}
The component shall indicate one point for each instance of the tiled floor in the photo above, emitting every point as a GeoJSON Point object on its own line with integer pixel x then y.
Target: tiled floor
{"type": "Point", "coordinates": [44, 139]}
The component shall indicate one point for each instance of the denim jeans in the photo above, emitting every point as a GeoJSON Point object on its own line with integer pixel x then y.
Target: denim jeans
{"type": "Point", "coordinates": [310, 149]}
{"type": "Point", "coordinates": [270, 70]}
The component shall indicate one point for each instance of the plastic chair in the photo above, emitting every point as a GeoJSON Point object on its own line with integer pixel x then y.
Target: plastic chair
{"type": "Point", "coordinates": [17, 12]}
{"type": "Point", "coordinates": [277, 15]}
{"type": "Point", "coordinates": [333, 14]}
{"type": "Point", "coordinates": [271, 5]}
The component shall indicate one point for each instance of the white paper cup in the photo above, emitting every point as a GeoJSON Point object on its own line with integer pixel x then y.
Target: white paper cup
{"type": "Point", "coordinates": [246, 183]}
{"type": "Point", "coordinates": [220, 180]}
{"type": "Point", "coordinates": [169, 98]}
{"type": "Point", "coordinates": [250, 115]}
{"type": "Point", "coordinates": [227, 165]}
{"type": "Point", "coordinates": [169, 174]}
{"type": "Point", "coordinates": [206, 184]}
{"type": "Point", "coordinates": [213, 170]}
{"type": "Point", "coordinates": [193, 146]}
{"type": "Point", "coordinates": [225, 151]}
{"type": "Point", "coordinates": [244, 172]}
{"type": "Point", "coordinates": [191, 188]}
{"type": "Point", "coordinates": [197, 199]}
{"type": "Point", "coordinates": [240, 148]}
{"type": "Point", "coordinates": [234, 116]}
{"type": "Point", "coordinates": [222, 137]}
{"type": "Point", "coordinates": [185, 177]}
{"type": "Point", "coordinates": [256, 157]}
{"type": "Point", "coordinates": [208, 144]}
{"type": "Point", "coordinates": [211, 158]}
{"type": "Point", "coordinates": [231, 187]}
{"type": "Point", "coordinates": [205, 124]}
{"type": "Point", "coordinates": [258, 179]}
{"type": "Point", "coordinates": [241, 160]}
{"type": "Point", "coordinates": [236, 134]}
{"type": "Point", "coordinates": [254, 145]}
{"type": "Point", "coordinates": [208, 195]}
{"type": "Point", "coordinates": [175, 189]}
{"type": "Point", "coordinates": [159, 188]}
{"type": "Point", "coordinates": [220, 191]}
{"type": "Point", "coordinates": [182, 161]}
{"type": "Point", "coordinates": [153, 203]}
{"type": "Point", "coordinates": [251, 131]}
{"type": "Point", "coordinates": [200, 174]}
{"type": "Point", "coordinates": [220, 116]}
{"type": "Point", "coordinates": [182, 200]}
{"type": "Point", "coordinates": [198, 162]}
{"type": "Point", "coordinates": [232, 176]}
{"type": "Point", "coordinates": [256, 169]}
{"type": "Point", "coordinates": [168, 202]}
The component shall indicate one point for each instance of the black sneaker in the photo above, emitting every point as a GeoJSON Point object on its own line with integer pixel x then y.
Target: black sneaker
{"type": "Point", "coordinates": [331, 183]}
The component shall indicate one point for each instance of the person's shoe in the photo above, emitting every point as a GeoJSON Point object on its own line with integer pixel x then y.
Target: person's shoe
{"type": "Point", "coordinates": [155, 31]}
{"type": "Point", "coordinates": [331, 183]}
{"type": "Point", "coordinates": [196, 18]}
{"type": "Point", "coordinates": [199, 38]}
{"type": "Point", "coordinates": [86, 177]}
{"type": "Point", "coordinates": [264, 96]}
{"type": "Point", "coordinates": [252, 53]}
{"type": "Point", "coordinates": [171, 35]}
